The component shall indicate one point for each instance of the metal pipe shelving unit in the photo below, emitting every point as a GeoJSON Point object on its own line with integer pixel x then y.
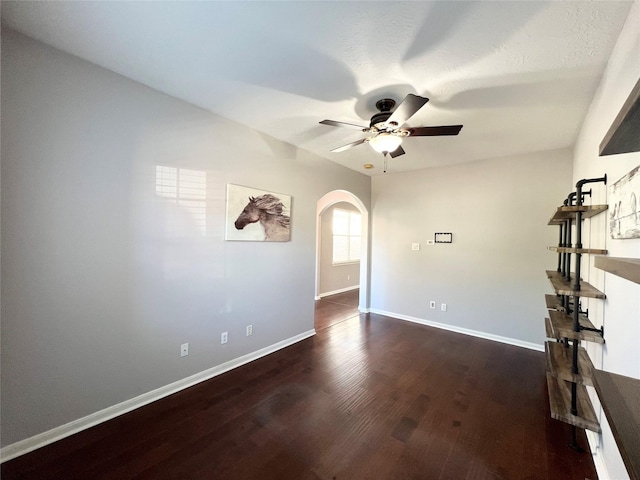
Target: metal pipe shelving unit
{"type": "Point", "coordinates": [569, 365]}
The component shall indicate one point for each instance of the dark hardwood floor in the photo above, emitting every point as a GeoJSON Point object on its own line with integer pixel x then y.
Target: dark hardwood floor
{"type": "Point", "coordinates": [367, 398]}
{"type": "Point", "coordinates": [336, 308]}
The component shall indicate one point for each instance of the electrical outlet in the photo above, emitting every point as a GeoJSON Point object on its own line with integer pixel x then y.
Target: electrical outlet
{"type": "Point", "coordinates": [432, 304]}
{"type": "Point", "coordinates": [249, 330]}
{"type": "Point", "coordinates": [224, 337]}
{"type": "Point", "coordinates": [443, 307]}
{"type": "Point", "coordinates": [184, 349]}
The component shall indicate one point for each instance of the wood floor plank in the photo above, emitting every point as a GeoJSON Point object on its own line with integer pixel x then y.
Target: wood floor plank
{"type": "Point", "coordinates": [336, 308]}
{"type": "Point", "coordinates": [367, 398]}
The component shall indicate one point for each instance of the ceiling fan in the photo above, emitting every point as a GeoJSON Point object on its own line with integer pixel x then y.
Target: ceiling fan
{"type": "Point", "coordinates": [387, 126]}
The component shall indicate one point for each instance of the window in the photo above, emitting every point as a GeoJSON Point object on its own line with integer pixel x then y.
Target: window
{"type": "Point", "coordinates": [188, 188]}
{"type": "Point", "coordinates": [347, 226]}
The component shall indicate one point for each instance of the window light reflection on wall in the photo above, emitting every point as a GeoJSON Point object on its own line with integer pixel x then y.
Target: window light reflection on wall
{"type": "Point", "coordinates": [188, 188]}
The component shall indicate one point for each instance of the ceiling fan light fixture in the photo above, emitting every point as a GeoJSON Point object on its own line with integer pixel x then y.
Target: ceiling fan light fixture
{"type": "Point", "coordinates": [386, 127]}
{"type": "Point", "coordinates": [385, 142]}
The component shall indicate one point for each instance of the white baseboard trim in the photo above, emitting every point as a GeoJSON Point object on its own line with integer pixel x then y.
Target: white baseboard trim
{"type": "Point", "coordinates": [465, 331]}
{"type": "Point", "coordinates": [598, 460]}
{"type": "Point", "coordinates": [341, 290]}
{"type": "Point", "coordinates": [58, 433]}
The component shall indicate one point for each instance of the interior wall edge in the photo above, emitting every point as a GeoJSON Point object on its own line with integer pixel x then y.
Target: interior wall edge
{"type": "Point", "coordinates": [335, 292]}
{"type": "Point", "coordinates": [30, 444]}
{"type": "Point", "coordinates": [465, 331]}
{"type": "Point", "coordinates": [598, 460]}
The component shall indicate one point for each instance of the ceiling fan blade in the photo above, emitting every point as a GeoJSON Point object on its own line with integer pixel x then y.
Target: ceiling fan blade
{"type": "Point", "coordinates": [333, 123]}
{"type": "Point", "coordinates": [349, 145]}
{"type": "Point", "coordinates": [434, 131]}
{"type": "Point", "coordinates": [397, 152]}
{"type": "Point", "coordinates": [409, 106]}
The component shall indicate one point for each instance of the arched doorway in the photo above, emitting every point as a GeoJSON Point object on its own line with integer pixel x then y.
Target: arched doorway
{"type": "Point", "coordinates": [323, 204]}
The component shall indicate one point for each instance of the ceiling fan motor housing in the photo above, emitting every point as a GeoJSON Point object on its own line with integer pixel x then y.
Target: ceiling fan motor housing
{"type": "Point", "coordinates": [385, 105]}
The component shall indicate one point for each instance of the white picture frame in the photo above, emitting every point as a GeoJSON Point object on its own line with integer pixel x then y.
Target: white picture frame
{"type": "Point", "coordinates": [624, 206]}
{"type": "Point", "coordinates": [255, 215]}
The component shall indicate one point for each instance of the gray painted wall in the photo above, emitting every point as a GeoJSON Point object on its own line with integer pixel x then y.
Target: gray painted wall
{"type": "Point", "coordinates": [335, 277]}
{"type": "Point", "coordinates": [101, 279]}
{"type": "Point", "coordinates": [492, 276]}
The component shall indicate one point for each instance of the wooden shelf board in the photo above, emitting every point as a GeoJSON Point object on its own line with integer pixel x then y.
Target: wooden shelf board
{"type": "Point", "coordinates": [628, 268]}
{"type": "Point", "coordinates": [553, 302]}
{"type": "Point", "coordinates": [569, 212]}
{"type": "Point", "coordinates": [597, 251]}
{"type": "Point", "coordinates": [622, 136]}
{"type": "Point", "coordinates": [560, 404]}
{"type": "Point", "coordinates": [560, 359]}
{"type": "Point", "coordinates": [619, 398]}
{"type": "Point", "coordinates": [562, 325]}
{"type": "Point", "coordinates": [562, 287]}
{"type": "Point", "coordinates": [549, 329]}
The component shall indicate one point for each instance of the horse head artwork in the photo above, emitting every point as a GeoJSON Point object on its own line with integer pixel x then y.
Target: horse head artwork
{"type": "Point", "coordinates": [269, 211]}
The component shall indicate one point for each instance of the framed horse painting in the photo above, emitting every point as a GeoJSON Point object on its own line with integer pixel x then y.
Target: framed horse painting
{"type": "Point", "coordinates": [257, 216]}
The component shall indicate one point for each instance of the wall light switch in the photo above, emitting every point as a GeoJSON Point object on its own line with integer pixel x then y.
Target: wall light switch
{"type": "Point", "coordinates": [431, 242]}
{"type": "Point", "coordinates": [415, 246]}
{"type": "Point", "coordinates": [432, 304]}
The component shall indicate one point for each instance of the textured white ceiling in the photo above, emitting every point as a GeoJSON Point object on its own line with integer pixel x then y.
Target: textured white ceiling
{"type": "Point", "coordinates": [518, 75]}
